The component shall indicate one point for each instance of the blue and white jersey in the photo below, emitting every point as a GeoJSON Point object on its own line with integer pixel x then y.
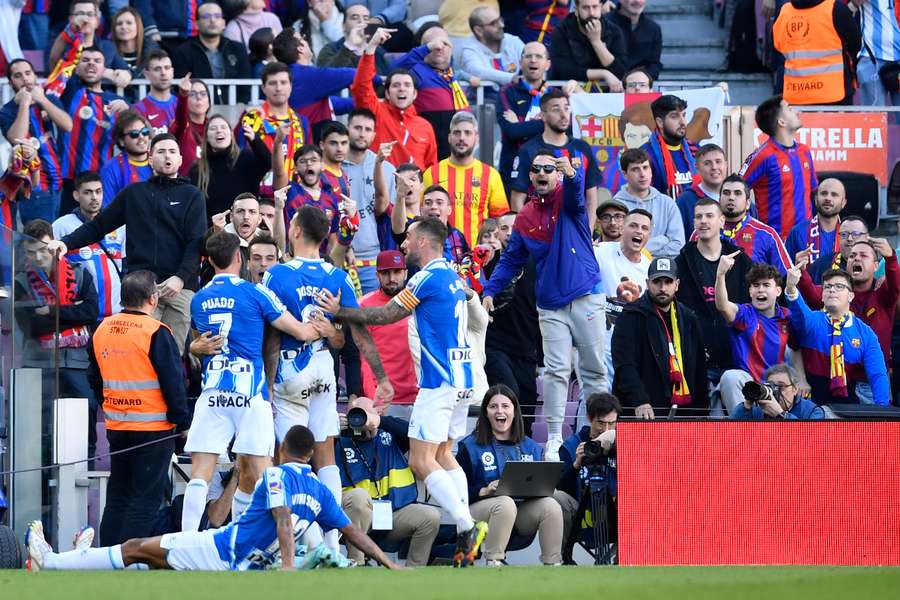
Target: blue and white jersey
{"type": "Point", "coordinates": [238, 311]}
{"type": "Point", "coordinates": [880, 30]}
{"type": "Point", "coordinates": [297, 283]}
{"type": "Point", "coordinates": [251, 542]}
{"type": "Point", "coordinates": [437, 298]}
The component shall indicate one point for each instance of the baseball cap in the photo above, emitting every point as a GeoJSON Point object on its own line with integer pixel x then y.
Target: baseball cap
{"type": "Point", "coordinates": [611, 203]}
{"type": "Point", "coordinates": [390, 259]}
{"type": "Point", "coordinates": [662, 267]}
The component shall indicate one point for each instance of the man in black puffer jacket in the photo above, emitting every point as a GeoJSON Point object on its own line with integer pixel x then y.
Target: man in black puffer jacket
{"type": "Point", "coordinates": [165, 220]}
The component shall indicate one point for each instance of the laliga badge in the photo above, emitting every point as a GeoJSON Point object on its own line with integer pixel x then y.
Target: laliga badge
{"type": "Point", "coordinates": [85, 113]}
{"type": "Point", "coordinates": [382, 515]}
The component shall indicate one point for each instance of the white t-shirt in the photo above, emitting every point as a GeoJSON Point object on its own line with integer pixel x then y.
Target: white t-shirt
{"type": "Point", "coordinates": [614, 266]}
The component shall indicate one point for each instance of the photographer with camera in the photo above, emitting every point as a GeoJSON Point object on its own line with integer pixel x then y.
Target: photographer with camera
{"type": "Point", "coordinates": [776, 398]}
{"type": "Point", "coordinates": [379, 488]}
{"type": "Point", "coordinates": [589, 455]}
{"type": "Point", "coordinates": [499, 438]}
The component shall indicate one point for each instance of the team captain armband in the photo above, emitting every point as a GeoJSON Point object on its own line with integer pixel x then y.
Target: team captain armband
{"type": "Point", "coordinates": [407, 299]}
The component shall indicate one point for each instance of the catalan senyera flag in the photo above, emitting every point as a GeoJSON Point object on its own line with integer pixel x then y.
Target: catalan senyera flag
{"type": "Point", "coordinates": [476, 193]}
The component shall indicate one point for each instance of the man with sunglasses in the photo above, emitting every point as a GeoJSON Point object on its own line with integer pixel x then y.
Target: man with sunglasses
{"type": "Point", "coordinates": [553, 229]}
{"type": "Point", "coordinates": [132, 136]}
{"type": "Point", "coordinates": [839, 350]}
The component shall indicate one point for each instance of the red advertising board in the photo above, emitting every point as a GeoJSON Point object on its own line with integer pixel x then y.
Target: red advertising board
{"type": "Point", "coordinates": [730, 493]}
{"type": "Point", "coordinates": [845, 141]}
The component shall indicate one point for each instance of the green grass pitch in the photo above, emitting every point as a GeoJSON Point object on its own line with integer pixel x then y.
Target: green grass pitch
{"type": "Point", "coordinates": [563, 583]}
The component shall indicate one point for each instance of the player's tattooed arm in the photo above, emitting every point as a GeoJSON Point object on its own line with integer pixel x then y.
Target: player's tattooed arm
{"type": "Point", "coordinates": [376, 315]}
{"type": "Point", "coordinates": [367, 347]}
{"type": "Point", "coordinates": [285, 530]}
{"type": "Point", "coordinates": [271, 346]}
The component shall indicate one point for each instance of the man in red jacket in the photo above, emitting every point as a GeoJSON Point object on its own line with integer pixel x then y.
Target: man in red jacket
{"type": "Point", "coordinates": [396, 117]}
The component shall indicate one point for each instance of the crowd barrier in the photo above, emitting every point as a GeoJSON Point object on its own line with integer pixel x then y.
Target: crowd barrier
{"type": "Point", "coordinates": [738, 493]}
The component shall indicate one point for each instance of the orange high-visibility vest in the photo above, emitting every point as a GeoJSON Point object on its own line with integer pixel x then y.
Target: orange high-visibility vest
{"type": "Point", "coordinates": [813, 54]}
{"type": "Point", "coordinates": [132, 398]}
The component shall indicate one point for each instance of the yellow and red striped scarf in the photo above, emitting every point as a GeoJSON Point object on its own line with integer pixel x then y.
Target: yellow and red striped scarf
{"type": "Point", "coordinates": [838, 372]}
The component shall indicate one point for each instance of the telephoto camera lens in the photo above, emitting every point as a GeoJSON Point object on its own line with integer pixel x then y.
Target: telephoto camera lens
{"type": "Point", "coordinates": [356, 418]}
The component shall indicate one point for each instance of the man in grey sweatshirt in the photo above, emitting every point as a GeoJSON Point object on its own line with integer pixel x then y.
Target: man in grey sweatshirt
{"type": "Point", "coordinates": [667, 235]}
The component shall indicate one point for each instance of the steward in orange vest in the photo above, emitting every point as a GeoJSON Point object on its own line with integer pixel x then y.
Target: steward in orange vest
{"type": "Point", "coordinates": [136, 365]}
{"type": "Point", "coordinates": [819, 41]}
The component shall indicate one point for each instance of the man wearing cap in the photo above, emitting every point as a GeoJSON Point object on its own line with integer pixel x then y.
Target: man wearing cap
{"type": "Point", "coordinates": [657, 349]}
{"type": "Point", "coordinates": [391, 339]}
{"type": "Point", "coordinates": [611, 218]}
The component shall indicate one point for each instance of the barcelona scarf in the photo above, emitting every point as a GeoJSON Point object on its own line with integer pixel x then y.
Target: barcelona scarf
{"type": "Point", "coordinates": [814, 239]}
{"type": "Point", "coordinates": [21, 175]}
{"type": "Point", "coordinates": [731, 234]}
{"type": "Point", "coordinates": [534, 109]}
{"type": "Point", "coordinates": [459, 97]}
{"type": "Point", "coordinates": [838, 372]}
{"type": "Point", "coordinates": [264, 124]}
{"type": "Point", "coordinates": [62, 72]}
{"type": "Point", "coordinates": [662, 157]}
{"type": "Point", "coordinates": [45, 292]}
{"type": "Point", "coordinates": [681, 393]}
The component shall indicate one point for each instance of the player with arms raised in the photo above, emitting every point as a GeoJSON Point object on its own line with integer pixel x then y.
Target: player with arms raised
{"type": "Point", "coordinates": [231, 314]}
{"type": "Point", "coordinates": [286, 501]}
{"type": "Point", "coordinates": [436, 297]}
{"type": "Point", "coordinates": [305, 389]}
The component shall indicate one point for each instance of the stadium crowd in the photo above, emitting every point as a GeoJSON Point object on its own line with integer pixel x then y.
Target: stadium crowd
{"type": "Point", "coordinates": [341, 241]}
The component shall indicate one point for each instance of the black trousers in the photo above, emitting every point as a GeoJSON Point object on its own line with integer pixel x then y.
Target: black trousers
{"type": "Point", "coordinates": [519, 374]}
{"type": "Point", "coordinates": [138, 492]}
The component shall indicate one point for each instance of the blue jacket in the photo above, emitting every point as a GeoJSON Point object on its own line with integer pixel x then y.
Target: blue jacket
{"type": "Point", "coordinates": [379, 465]}
{"type": "Point", "coordinates": [564, 256]}
{"type": "Point", "coordinates": [516, 98]}
{"type": "Point", "coordinates": [803, 409]}
{"type": "Point", "coordinates": [483, 464]}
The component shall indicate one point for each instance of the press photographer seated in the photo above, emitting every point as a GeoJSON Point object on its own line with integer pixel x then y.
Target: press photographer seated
{"type": "Point", "coordinates": [590, 450]}
{"type": "Point", "coordinates": [499, 438]}
{"type": "Point", "coordinates": [379, 488]}
{"type": "Point", "coordinates": [776, 398]}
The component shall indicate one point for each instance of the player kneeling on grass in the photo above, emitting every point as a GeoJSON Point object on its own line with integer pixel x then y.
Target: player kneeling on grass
{"type": "Point", "coordinates": [287, 500]}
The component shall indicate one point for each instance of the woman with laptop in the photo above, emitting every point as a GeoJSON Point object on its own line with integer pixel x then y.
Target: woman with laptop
{"type": "Point", "coordinates": [498, 440]}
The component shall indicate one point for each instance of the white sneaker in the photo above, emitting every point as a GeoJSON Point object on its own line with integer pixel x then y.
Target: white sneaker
{"type": "Point", "coordinates": [37, 546]}
{"type": "Point", "coordinates": [551, 448]}
{"type": "Point", "coordinates": [84, 538]}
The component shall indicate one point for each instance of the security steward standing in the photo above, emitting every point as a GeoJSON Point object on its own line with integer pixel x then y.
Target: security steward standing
{"type": "Point", "coordinates": [136, 367]}
{"type": "Point", "coordinates": [819, 41]}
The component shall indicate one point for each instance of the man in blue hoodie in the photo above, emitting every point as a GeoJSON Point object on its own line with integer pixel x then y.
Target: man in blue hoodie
{"type": "Point", "coordinates": [552, 228]}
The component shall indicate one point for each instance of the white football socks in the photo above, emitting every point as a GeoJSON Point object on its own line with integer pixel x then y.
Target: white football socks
{"type": "Point", "coordinates": [239, 504]}
{"type": "Point", "coordinates": [442, 487]}
{"type": "Point", "coordinates": [330, 476]}
{"type": "Point", "coordinates": [89, 559]}
{"type": "Point", "coordinates": [462, 484]}
{"type": "Point", "coordinates": [194, 504]}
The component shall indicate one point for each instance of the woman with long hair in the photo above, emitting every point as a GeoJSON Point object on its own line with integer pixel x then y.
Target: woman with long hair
{"type": "Point", "coordinates": [127, 33]}
{"type": "Point", "coordinates": [499, 437]}
{"type": "Point", "coordinates": [189, 125]}
{"type": "Point", "coordinates": [223, 170]}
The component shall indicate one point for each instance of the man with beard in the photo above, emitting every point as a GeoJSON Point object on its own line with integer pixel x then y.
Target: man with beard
{"type": "Point", "coordinates": [820, 234]}
{"type": "Point", "coordinates": [711, 166]}
{"type": "Point", "coordinates": [264, 254]}
{"type": "Point", "coordinates": [397, 119]}
{"type": "Point", "coordinates": [839, 350]}
{"type": "Point", "coordinates": [311, 189]}
{"type": "Point", "coordinates": [476, 191]}
{"type": "Point", "coordinates": [243, 220]}
{"type": "Point", "coordinates": [780, 172]}
{"type": "Point", "coordinates": [171, 248]}
{"type": "Point", "coordinates": [874, 301]}
{"type": "Point", "coordinates": [671, 155]}
{"type": "Point", "coordinates": [440, 95]}
{"type": "Point", "coordinates": [391, 339]}
{"type": "Point", "coordinates": [760, 330]}
{"type": "Point", "coordinates": [853, 229]}
{"type": "Point", "coordinates": [759, 241]}
{"type": "Point", "coordinates": [103, 259]}
{"type": "Point", "coordinates": [698, 264]}
{"type": "Point", "coordinates": [611, 217]}
{"type": "Point", "coordinates": [657, 349]}
{"type": "Point", "coordinates": [588, 46]}
{"type": "Point", "coordinates": [372, 186]}
{"type": "Point", "coordinates": [158, 106]}
{"type": "Point", "coordinates": [132, 134]}
{"type": "Point", "coordinates": [490, 54]}
{"type": "Point", "coordinates": [33, 114]}
{"type": "Point", "coordinates": [552, 229]}
{"type": "Point", "coordinates": [643, 36]}
{"type": "Point", "coordinates": [557, 117]}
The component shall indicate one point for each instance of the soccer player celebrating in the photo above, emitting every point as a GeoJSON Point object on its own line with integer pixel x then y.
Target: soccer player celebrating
{"type": "Point", "coordinates": [437, 299]}
{"type": "Point", "coordinates": [780, 172]}
{"type": "Point", "coordinates": [233, 402]}
{"type": "Point", "coordinates": [286, 502]}
{"type": "Point", "coordinates": [305, 388]}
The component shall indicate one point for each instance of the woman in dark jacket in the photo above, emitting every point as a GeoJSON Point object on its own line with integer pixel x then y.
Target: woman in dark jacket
{"type": "Point", "coordinates": [499, 437]}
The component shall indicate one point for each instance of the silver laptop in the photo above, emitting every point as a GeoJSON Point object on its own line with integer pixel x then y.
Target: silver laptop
{"type": "Point", "coordinates": [529, 479]}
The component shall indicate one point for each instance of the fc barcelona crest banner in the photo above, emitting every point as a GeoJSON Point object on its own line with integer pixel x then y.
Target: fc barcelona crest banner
{"type": "Point", "coordinates": [610, 123]}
